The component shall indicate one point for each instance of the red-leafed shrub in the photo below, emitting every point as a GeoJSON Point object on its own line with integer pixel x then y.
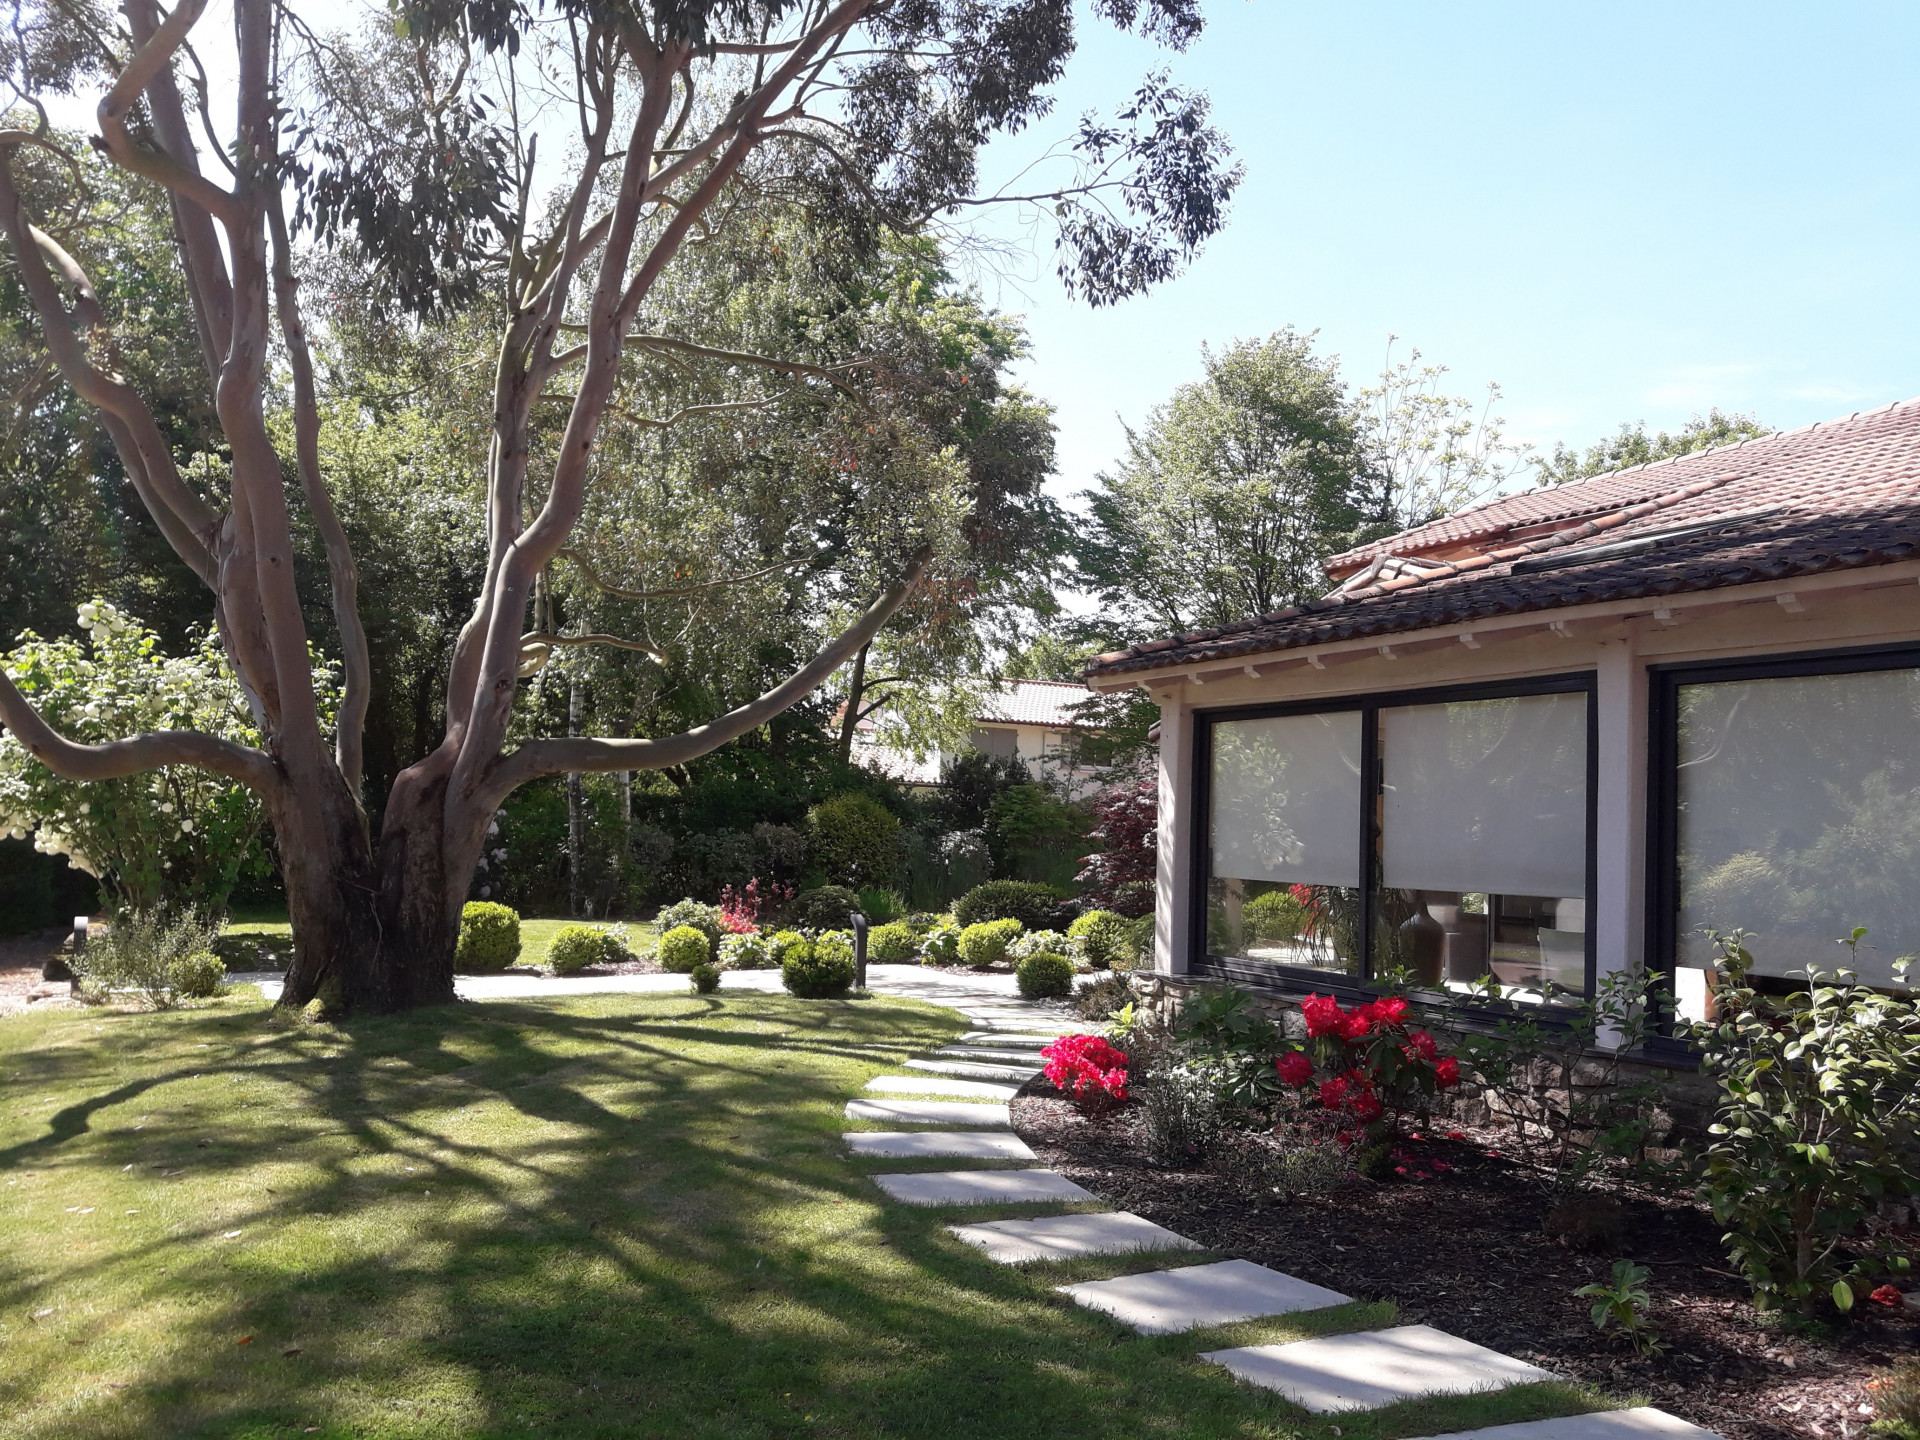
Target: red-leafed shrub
{"type": "Point", "coordinates": [1126, 820]}
{"type": "Point", "coordinates": [1372, 1064]}
{"type": "Point", "coordinates": [1088, 1069]}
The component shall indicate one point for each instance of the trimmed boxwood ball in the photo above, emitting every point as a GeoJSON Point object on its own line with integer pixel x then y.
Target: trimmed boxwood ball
{"type": "Point", "coordinates": [1102, 935]}
{"type": "Point", "coordinates": [820, 967]}
{"type": "Point", "coordinates": [894, 944]}
{"type": "Point", "coordinates": [682, 948]}
{"type": "Point", "coordinates": [198, 975]}
{"type": "Point", "coordinates": [831, 907]}
{"type": "Point", "coordinates": [705, 978]}
{"type": "Point", "coordinates": [575, 948]}
{"type": "Point", "coordinates": [489, 937]}
{"type": "Point", "coordinates": [1045, 976]}
{"type": "Point", "coordinates": [704, 918]}
{"type": "Point", "coordinates": [1034, 905]}
{"type": "Point", "coordinates": [986, 943]}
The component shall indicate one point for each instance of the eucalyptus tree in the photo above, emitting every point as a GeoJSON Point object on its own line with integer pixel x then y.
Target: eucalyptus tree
{"type": "Point", "coordinates": [414, 147]}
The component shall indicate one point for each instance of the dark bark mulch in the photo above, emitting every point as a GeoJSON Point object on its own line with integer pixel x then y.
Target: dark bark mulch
{"type": "Point", "coordinates": [1467, 1251]}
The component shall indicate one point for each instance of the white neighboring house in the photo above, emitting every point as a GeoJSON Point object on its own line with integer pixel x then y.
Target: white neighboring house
{"type": "Point", "coordinates": [1031, 720]}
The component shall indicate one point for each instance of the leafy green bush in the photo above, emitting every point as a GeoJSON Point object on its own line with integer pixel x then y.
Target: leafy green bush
{"type": "Point", "coordinates": [1101, 935]}
{"type": "Point", "coordinates": [881, 905]}
{"type": "Point", "coordinates": [1273, 917]}
{"type": "Point", "coordinates": [820, 969]}
{"type": "Point", "coordinates": [856, 839]}
{"type": "Point", "coordinates": [489, 937]}
{"type": "Point", "coordinates": [1819, 1091]}
{"type": "Point", "coordinates": [894, 944]}
{"type": "Point", "coordinates": [705, 978]}
{"type": "Point", "coordinates": [986, 943]}
{"type": "Point", "coordinates": [830, 907]}
{"type": "Point", "coordinates": [783, 945]}
{"type": "Point", "coordinates": [163, 959]}
{"type": "Point", "coordinates": [941, 944]}
{"type": "Point", "coordinates": [1034, 905]}
{"type": "Point", "coordinates": [682, 948]}
{"type": "Point", "coordinates": [197, 976]}
{"type": "Point", "coordinates": [745, 952]}
{"type": "Point", "coordinates": [1034, 942]}
{"type": "Point", "coordinates": [1622, 1304]}
{"type": "Point", "coordinates": [1136, 950]}
{"type": "Point", "coordinates": [704, 918]}
{"type": "Point", "coordinates": [575, 948]}
{"type": "Point", "coordinates": [1044, 976]}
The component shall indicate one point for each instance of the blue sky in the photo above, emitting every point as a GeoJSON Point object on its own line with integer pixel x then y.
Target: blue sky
{"type": "Point", "coordinates": [1619, 211]}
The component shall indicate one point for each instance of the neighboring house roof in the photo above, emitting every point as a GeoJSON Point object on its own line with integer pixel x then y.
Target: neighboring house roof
{"type": "Point", "coordinates": [1034, 702]}
{"type": "Point", "coordinates": [1839, 494]}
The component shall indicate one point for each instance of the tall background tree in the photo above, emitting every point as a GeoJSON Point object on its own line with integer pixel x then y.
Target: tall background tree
{"type": "Point", "coordinates": [413, 151]}
{"type": "Point", "coordinates": [1632, 445]}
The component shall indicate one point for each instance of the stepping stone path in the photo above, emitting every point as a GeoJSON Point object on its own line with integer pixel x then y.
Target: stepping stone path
{"type": "Point", "coordinates": [1357, 1371]}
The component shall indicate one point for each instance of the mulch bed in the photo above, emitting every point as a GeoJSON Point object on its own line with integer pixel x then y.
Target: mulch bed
{"type": "Point", "coordinates": [1466, 1250]}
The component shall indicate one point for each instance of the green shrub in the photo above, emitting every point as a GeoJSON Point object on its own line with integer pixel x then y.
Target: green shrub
{"type": "Point", "coordinates": [682, 948]}
{"type": "Point", "coordinates": [894, 944]}
{"type": "Point", "coordinates": [856, 839]}
{"type": "Point", "coordinates": [819, 969]}
{"type": "Point", "coordinates": [1044, 976]}
{"type": "Point", "coordinates": [489, 937]}
{"type": "Point", "coordinates": [1136, 949]}
{"type": "Point", "coordinates": [941, 944]}
{"type": "Point", "coordinates": [783, 945]}
{"type": "Point", "coordinates": [831, 907]}
{"type": "Point", "coordinates": [1100, 936]}
{"type": "Point", "coordinates": [198, 975]}
{"type": "Point", "coordinates": [986, 943]}
{"type": "Point", "coordinates": [744, 952]}
{"type": "Point", "coordinates": [1100, 999]}
{"type": "Point", "coordinates": [1035, 942]}
{"type": "Point", "coordinates": [882, 905]}
{"type": "Point", "coordinates": [1273, 917]}
{"type": "Point", "coordinates": [704, 918]}
{"type": "Point", "coordinates": [705, 978]}
{"type": "Point", "coordinates": [145, 951]}
{"type": "Point", "coordinates": [1034, 905]}
{"type": "Point", "coordinates": [575, 948]}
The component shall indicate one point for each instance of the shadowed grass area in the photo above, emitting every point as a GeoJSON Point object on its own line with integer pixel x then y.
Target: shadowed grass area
{"type": "Point", "coordinates": [609, 1216]}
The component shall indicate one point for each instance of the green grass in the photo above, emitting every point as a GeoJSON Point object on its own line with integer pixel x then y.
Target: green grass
{"type": "Point", "coordinates": [609, 1216]}
{"type": "Point", "coordinates": [265, 929]}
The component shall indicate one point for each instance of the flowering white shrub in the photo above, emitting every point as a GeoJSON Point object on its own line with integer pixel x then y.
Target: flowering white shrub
{"type": "Point", "coordinates": [171, 837]}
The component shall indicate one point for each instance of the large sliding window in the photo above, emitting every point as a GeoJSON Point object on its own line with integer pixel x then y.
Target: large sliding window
{"type": "Point", "coordinates": [1444, 834]}
{"type": "Point", "coordinates": [1787, 804]}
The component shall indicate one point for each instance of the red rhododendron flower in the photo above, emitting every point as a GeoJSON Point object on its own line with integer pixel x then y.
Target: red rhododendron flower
{"type": "Point", "coordinates": [1421, 1045]}
{"type": "Point", "coordinates": [1446, 1073]}
{"type": "Point", "coordinates": [1323, 1015]}
{"type": "Point", "coordinates": [1365, 1105]}
{"type": "Point", "coordinates": [1354, 1026]}
{"type": "Point", "coordinates": [1333, 1093]}
{"type": "Point", "coordinates": [1886, 1295]}
{"type": "Point", "coordinates": [1295, 1068]}
{"type": "Point", "coordinates": [1086, 1067]}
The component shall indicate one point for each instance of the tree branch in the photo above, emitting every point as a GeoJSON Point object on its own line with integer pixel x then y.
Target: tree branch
{"type": "Point", "coordinates": [163, 170]}
{"type": "Point", "coordinates": [535, 641]}
{"type": "Point", "coordinates": [677, 591]}
{"type": "Point", "coordinates": [829, 373]}
{"type": "Point", "coordinates": [558, 756]}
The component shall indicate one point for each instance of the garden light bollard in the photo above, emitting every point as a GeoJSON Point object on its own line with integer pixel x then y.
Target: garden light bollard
{"type": "Point", "coordinates": [58, 969]}
{"type": "Point", "coordinates": [859, 950]}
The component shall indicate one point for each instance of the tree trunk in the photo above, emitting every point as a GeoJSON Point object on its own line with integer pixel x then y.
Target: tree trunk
{"type": "Point", "coordinates": [850, 718]}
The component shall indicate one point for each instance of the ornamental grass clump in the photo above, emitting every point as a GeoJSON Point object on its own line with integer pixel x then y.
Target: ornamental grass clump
{"type": "Point", "coordinates": [1819, 1090]}
{"type": "Point", "coordinates": [1087, 1069]}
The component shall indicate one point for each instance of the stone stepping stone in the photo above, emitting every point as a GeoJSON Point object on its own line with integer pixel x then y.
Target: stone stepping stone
{"type": "Point", "coordinates": [1377, 1367]}
{"type": "Point", "coordinates": [1007, 1037]}
{"type": "Point", "coordinates": [1066, 1237]}
{"type": "Point", "coordinates": [1166, 1302]}
{"type": "Point", "coordinates": [1640, 1423]}
{"type": "Point", "coordinates": [936, 1085]}
{"type": "Point", "coordinates": [981, 1187]}
{"type": "Point", "coordinates": [928, 1112]}
{"type": "Point", "coordinates": [978, 1070]}
{"type": "Point", "coordinates": [939, 1144]}
{"type": "Point", "coordinates": [1028, 1058]}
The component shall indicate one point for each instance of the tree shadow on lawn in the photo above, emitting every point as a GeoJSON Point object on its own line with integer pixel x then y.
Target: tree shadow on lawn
{"type": "Point", "coordinates": [612, 1215]}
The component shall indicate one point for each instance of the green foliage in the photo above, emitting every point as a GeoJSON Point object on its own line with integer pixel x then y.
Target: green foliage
{"type": "Point", "coordinates": [576, 947]}
{"type": "Point", "coordinates": [856, 839]}
{"type": "Point", "coordinates": [822, 968]}
{"type": "Point", "coordinates": [1137, 949]}
{"type": "Point", "coordinates": [1187, 1109]}
{"type": "Point", "coordinates": [1027, 814]}
{"type": "Point", "coordinates": [1275, 916]}
{"type": "Point", "coordinates": [164, 958]}
{"type": "Point", "coordinates": [704, 978]}
{"type": "Point", "coordinates": [1035, 906]}
{"type": "Point", "coordinates": [745, 952]}
{"type": "Point", "coordinates": [1896, 1400]}
{"type": "Point", "coordinates": [1818, 1094]}
{"type": "Point", "coordinates": [1240, 1040]}
{"type": "Point", "coordinates": [682, 948]}
{"type": "Point", "coordinates": [1622, 1305]}
{"type": "Point", "coordinates": [704, 918]}
{"type": "Point", "coordinates": [1633, 446]}
{"type": "Point", "coordinates": [986, 943]}
{"type": "Point", "coordinates": [1101, 935]}
{"type": "Point", "coordinates": [941, 944]}
{"type": "Point", "coordinates": [829, 907]}
{"type": "Point", "coordinates": [784, 945]}
{"type": "Point", "coordinates": [1044, 975]}
{"type": "Point", "coordinates": [177, 836]}
{"type": "Point", "coordinates": [880, 905]}
{"type": "Point", "coordinates": [489, 937]}
{"type": "Point", "coordinates": [1100, 998]}
{"type": "Point", "coordinates": [894, 944]}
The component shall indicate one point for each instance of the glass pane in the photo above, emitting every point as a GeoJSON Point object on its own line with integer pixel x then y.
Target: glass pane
{"type": "Point", "coordinates": [1285, 833]}
{"type": "Point", "coordinates": [1798, 821]}
{"type": "Point", "coordinates": [1483, 844]}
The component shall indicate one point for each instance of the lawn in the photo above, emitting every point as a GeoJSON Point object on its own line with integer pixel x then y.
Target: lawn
{"type": "Point", "coordinates": [611, 1215]}
{"type": "Point", "coordinates": [269, 929]}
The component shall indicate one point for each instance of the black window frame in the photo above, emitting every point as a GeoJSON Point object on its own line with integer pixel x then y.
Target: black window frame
{"type": "Point", "coordinates": [1662, 940]}
{"type": "Point", "coordinates": [1270, 975]}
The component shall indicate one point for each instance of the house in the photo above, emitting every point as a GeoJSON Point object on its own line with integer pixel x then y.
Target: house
{"type": "Point", "coordinates": [1564, 734]}
{"type": "Point", "coordinates": [1034, 721]}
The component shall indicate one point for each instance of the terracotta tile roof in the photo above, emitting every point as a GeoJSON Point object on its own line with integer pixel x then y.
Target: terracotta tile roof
{"type": "Point", "coordinates": [1838, 494]}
